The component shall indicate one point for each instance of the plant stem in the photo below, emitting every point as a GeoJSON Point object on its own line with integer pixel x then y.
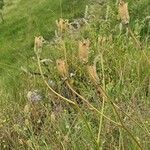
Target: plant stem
{"type": "Point", "coordinates": [103, 103]}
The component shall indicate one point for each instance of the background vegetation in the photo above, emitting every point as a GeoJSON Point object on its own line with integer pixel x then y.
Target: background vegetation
{"type": "Point", "coordinates": [122, 68]}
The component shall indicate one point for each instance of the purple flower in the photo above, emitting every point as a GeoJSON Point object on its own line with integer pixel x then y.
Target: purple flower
{"type": "Point", "coordinates": [34, 96]}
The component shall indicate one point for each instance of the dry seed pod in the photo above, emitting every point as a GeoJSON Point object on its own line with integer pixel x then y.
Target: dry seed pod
{"type": "Point", "coordinates": [123, 12]}
{"type": "Point", "coordinates": [93, 74]}
{"type": "Point", "coordinates": [84, 50]}
{"type": "Point", "coordinates": [38, 43]}
{"type": "Point", "coordinates": [62, 25]}
{"type": "Point", "coordinates": [62, 68]}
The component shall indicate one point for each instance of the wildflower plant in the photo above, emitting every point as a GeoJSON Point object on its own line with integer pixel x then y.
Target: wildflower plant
{"type": "Point", "coordinates": [100, 104]}
{"type": "Point", "coordinates": [38, 44]}
{"type": "Point", "coordinates": [93, 74]}
{"type": "Point", "coordinates": [84, 50]}
{"type": "Point", "coordinates": [123, 12]}
{"type": "Point", "coordinates": [62, 68]}
{"type": "Point", "coordinates": [62, 25]}
{"type": "Point", "coordinates": [34, 96]}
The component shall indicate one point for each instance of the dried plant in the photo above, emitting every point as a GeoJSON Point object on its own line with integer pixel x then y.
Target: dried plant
{"type": "Point", "coordinates": [38, 43]}
{"type": "Point", "coordinates": [62, 68]}
{"type": "Point", "coordinates": [93, 74]}
{"type": "Point", "coordinates": [84, 50]}
{"type": "Point", "coordinates": [123, 12]}
{"type": "Point", "coordinates": [125, 18]}
{"type": "Point", "coordinates": [62, 25]}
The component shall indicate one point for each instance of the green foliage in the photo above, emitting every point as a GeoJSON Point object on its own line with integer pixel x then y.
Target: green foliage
{"type": "Point", "coordinates": [122, 68]}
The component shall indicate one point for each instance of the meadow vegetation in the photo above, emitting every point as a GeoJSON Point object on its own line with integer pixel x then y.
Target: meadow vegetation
{"type": "Point", "coordinates": [74, 74]}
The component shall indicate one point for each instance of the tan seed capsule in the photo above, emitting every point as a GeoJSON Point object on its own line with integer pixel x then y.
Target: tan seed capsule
{"type": "Point", "coordinates": [62, 68]}
{"type": "Point", "coordinates": [93, 74]}
{"type": "Point", "coordinates": [62, 25]}
{"type": "Point", "coordinates": [123, 12]}
{"type": "Point", "coordinates": [84, 50]}
{"type": "Point", "coordinates": [38, 43]}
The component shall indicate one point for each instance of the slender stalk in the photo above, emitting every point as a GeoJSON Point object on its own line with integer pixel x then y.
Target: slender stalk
{"type": "Point", "coordinates": [121, 144]}
{"type": "Point", "coordinates": [100, 122]}
{"type": "Point", "coordinates": [100, 89]}
{"type": "Point", "coordinates": [51, 89]}
{"type": "Point", "coordinates": [114, 107]}
{"type": "Point", "coordinates": [134, 38]}
{"type": "Point", "coordinates": [132, 119]}
{"type": "Point", "coordinates": [93, 138]}
{"type": "Point", "coordinates": [146, 56]}
{"type": "Point", "coordinates": [90, 105]}
{"type": "Point", "coordinates": [122, 124]}
{"type": "Point", "coordinates": [125, 128]}
{"type": "Point", "coordinates": [65, 51]}
{"type": "Point", "coordinates": [103, 103]}
{"type": "Point", "coordinates": [137, 42]}
{"type": "Point", "coordinates": [67, 100]}
{"type": "Point", "coordinates": [70, 101]}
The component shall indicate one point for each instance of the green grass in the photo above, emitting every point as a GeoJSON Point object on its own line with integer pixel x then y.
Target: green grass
{"type": "Point", "coordinates": [53, 123]}
{"type": "Point", "coordinates": [20, 27]}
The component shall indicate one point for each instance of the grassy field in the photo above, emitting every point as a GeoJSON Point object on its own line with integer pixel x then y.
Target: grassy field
{"type": "Point", "coordinates": [105, 108]}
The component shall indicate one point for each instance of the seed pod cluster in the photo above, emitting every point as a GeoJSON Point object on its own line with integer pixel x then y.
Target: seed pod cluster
{"type": "Point", "coordinates": [62, 25]}
{"type": "Point", "coordinates": [84, 50]}
{"type": "Point", "coordinates": [38, 43]}
{"type": "Point", "coordinates": [62, 68]}
{"type": "Point", "coordinates": [93, 74]}
{"type": "Point", "coordinates": [123, 12]}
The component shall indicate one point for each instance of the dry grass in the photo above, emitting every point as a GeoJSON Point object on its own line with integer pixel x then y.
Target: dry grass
{"type": "Point", "coordinates": [71, 102]}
